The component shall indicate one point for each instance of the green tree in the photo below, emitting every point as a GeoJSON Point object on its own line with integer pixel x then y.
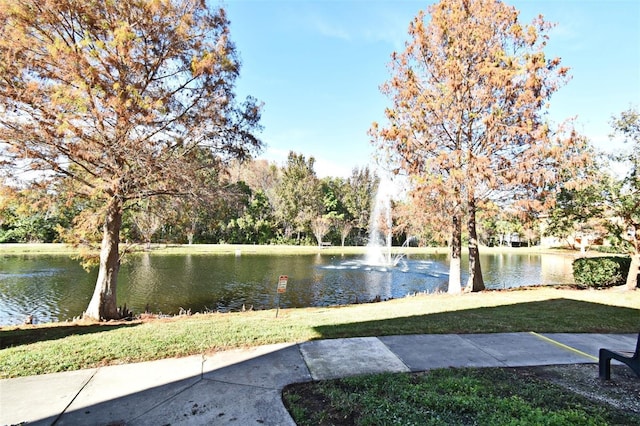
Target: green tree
{"type": "Point", "coordinates": [333, 196]}
{"type": "Point", "coordinates": [581, 211]}
{"type": "Point", "coordinates": [608, 201]}
{"type": "Point", "coordinates": [625, 194]}
{"type": "Point", "coordinates": [255, 225]}
{"type": "Point", "coordinates": [261, 212]}
{"type": "Point", "coordinates": [359, 195]}
{"type": "Point", "coordinates": [121, 97]}
{"type": "Point", "coordinates": [336, 214]}
{"type": "Point", "coordinates": [32, 214]}
{"type": "Point", "coordinates": [299, 195]}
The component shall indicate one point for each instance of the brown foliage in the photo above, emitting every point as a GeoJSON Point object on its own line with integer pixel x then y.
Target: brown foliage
{"type": "Point", "coordinates": [467, 121]}
{"type": "Point", "coordinates": [130, 99]}
{"type": "Point", "coordinates": [125, 92]}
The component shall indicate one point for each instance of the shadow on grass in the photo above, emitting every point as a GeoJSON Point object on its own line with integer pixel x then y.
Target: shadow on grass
{"type": "Point", "coordinates": [25, 336]}
{"type": "Point", "coordinates": [549, 316]}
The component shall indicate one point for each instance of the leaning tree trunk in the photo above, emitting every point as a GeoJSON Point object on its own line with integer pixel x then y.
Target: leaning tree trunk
{"type": "Point", "coordinates": [476, 282]}
{"type": "Point", "coordinates": [634, 270]}
{"type": "Point", "coordinates": [456, 251]}
{"type": "Point", "coordinates": [103, 302]}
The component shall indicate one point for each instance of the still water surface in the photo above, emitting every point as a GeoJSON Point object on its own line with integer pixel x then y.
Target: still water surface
{"type": "Point", "coordinates": [56, 288]}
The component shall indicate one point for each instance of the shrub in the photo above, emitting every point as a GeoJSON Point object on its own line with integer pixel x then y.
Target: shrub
{"type": "Point", "coordinates": [600, 272]}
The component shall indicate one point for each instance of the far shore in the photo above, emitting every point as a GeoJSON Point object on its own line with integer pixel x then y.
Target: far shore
{"type": "Point", "coordinates": [239, 249]}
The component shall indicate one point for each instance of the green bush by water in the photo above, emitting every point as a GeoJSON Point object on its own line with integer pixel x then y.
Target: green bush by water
{"type": "Point", "coordinates": [599, 272]}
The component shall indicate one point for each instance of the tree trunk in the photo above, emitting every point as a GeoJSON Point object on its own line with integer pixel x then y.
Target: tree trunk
{"type": "Point", "coordinates": [454, 263]}
{"type": "Point", "coordinates": [192, 231]}
{"type": "Point", "coordinates": [634, 270]}
{"type": "Point", "coordinates": [103, 304]}
{"type": "Point", "coordinates": [476, 282]}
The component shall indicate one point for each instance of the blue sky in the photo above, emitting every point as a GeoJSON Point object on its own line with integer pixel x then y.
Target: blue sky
{"type": "Point", "coordinates": [317, 65]}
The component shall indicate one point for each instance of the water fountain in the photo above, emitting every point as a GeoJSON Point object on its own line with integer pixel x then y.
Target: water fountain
{"type": "Point", "coordinates": [380, 230]}
{"type": "Point", "coordinates": [385, 272]}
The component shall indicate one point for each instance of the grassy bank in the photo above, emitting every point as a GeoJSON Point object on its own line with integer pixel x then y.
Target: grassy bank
{"type": "Point", "coordinates": [36, 248]}
{"type": "Point", "coordinates": [29, 350]}
{"type": "Point", "coordinates": [213, 249]}
{"type": "Point", "coordinates": [227, 249]}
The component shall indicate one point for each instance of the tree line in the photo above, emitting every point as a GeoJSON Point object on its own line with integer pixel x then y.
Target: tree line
{"type": "Point", "coordinates": [249, 202]}
{"type": "Point", "coordinates": [258, 202]}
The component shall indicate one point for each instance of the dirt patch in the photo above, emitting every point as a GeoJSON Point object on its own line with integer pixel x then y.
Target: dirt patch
{"type": "Point", "coordinates": [622, 391]}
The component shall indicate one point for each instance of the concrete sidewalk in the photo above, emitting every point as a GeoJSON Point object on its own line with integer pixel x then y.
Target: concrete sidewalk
{"type": "Point", "coordinates": [243, 387]}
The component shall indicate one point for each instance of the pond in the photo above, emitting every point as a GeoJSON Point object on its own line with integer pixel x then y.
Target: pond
{"type": "Point", "coordinates": [56, 288]}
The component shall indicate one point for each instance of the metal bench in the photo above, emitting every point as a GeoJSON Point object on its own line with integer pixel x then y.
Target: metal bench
{"type": "Point", "coordinates": [631, 359]}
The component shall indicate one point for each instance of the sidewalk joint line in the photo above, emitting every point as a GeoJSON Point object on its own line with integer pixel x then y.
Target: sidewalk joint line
{"type": "Point", "coordinates": [204, 360]}
{"type": "Point", "coordinates": [227, 382]}
{"type": "Point", "coordinates": [503, 362]}
{"type": "Point", "coordinates": [64, 410]}
{"type": "Point", "coordinates": [562, 345]}
{"type": "Point", "coordinates": [304, 360]}
{"type": "Point", "coordinates": [409, 370]}
{"type": "Point", "coordinates": [167, 399]}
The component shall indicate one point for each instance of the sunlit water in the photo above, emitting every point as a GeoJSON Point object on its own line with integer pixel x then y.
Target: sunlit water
{"type": "Point", "coordinates": [56, 288]}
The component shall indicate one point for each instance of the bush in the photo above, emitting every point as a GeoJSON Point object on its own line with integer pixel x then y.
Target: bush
{"type": "Point", "coordinates": [600, 272]}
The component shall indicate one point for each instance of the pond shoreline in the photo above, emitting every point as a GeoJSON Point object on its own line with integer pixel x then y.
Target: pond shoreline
{"type": "Point", "coordinates": [239, 249]}
{"type": "Point", "coordinates": [45, 281]}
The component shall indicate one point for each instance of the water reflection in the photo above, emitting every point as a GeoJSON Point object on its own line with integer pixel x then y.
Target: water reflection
{"type": "Point", "coordinates": [54, 288]}
{"type": "Point", "coordinates": [555, 269]}
{"type": "Point", "coordinates": [47, 287]}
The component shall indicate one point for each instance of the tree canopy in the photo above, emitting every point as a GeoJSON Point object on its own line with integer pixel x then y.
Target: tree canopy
{"type": "Point", "coordinates": [625, 194]}
{"type": "Point", "coordinates": [467, 122]}
{"type": "Point", "coordinates": [129, 100]}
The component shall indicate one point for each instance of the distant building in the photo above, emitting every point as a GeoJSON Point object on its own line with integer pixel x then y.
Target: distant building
{"type": "Point", "coordinates": [581, 238]}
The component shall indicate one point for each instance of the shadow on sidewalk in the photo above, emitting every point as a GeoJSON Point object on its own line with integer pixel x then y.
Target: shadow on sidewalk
{"type": "Point", "coordinates": [242, 387]}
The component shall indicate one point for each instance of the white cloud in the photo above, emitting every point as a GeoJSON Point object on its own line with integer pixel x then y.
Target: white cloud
{"type": "Point", "coordinates": [388, 26]}
{"type": "Point", "coordinates": [272, 155]}
{"type": "Point", "coordinates": [330, 29]}
{"type": "Point", "coordinates": [329, 168]}
{"type": "Point", "coordinates": [381, 22]}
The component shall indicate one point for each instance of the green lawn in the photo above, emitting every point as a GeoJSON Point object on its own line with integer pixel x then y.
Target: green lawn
{"type": "Point", "coordinates": [29, 350]}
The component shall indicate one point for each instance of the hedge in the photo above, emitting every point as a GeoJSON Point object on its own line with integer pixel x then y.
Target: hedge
{"type": "Point", "coordinates": [598, 272]}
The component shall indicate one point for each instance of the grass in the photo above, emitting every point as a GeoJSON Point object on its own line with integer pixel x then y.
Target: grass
{"type": "Point", "coordinates": [225, 249]}
{"type": "Point", "coordinates": [29, 350]}
{"type": "Point", "coordinates": [488, 396]}
{"type": "Point", "coordinates": [36, 248]}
